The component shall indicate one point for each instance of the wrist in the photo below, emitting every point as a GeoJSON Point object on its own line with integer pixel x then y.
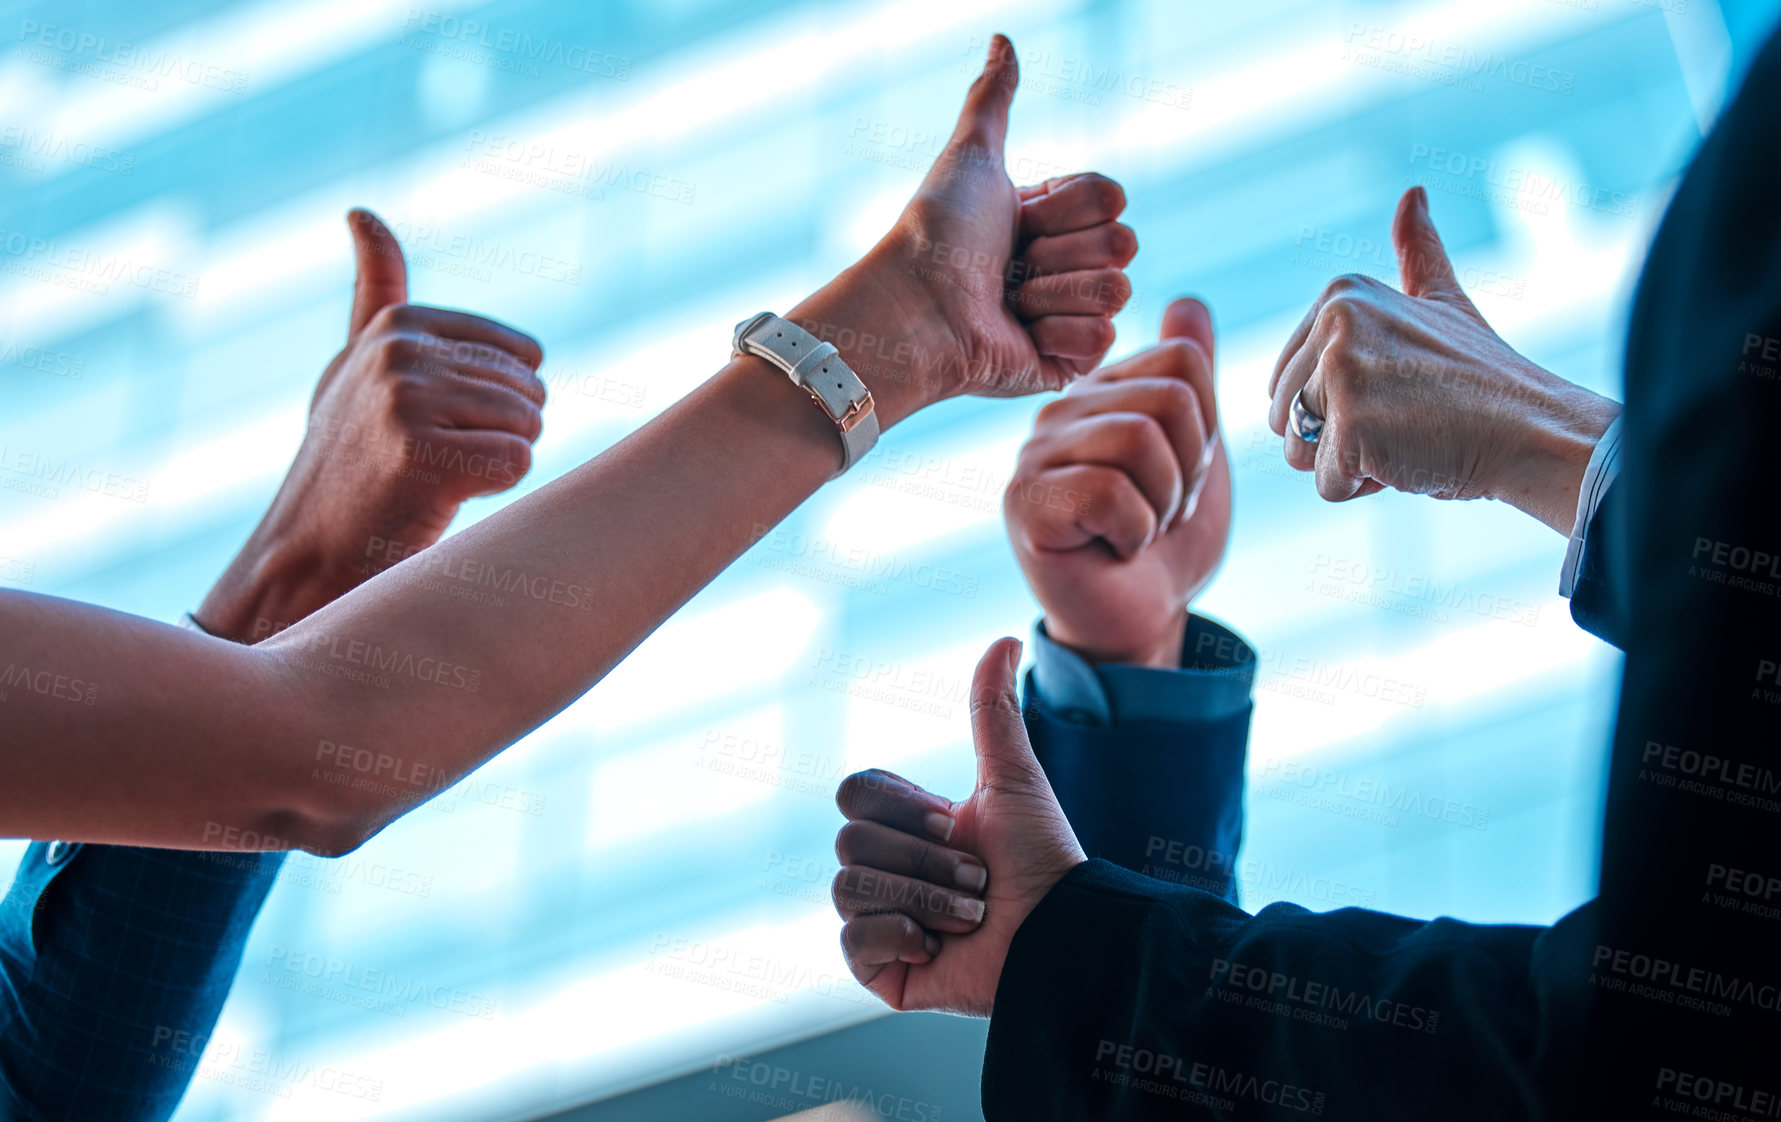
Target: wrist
{"type": "Point", "coordinates": [270, 585]}
{"type": "Point", "coordinates": [1552, 453]}
{"type": "Point", "coordinates": [1158, 651]}
{"type": "Point", "coordinates": [888, 330]}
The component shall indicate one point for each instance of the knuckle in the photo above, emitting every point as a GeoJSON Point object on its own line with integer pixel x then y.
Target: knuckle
{"type": "Point", "coordinates": [1122, 241]}
{"type": "Point", "coordinates": [391, 317]}
{"type": "Point", "coordinates": [1137, 428]}
{"type": "Point", "coordinates": [1052, 413]}
{"type": "Point", "coordinates": [395, 350]}
{"type": "Point", "coordinates": [839, 891]}
{"type": "Point", "coordinates": [1117, 288]}
{"type": "Point", "coordinates": [1108, 195]}
{"type": "Point", "coordinates": [848, 842]}
{"type": "Point", "coordinates": [1178, 396]}
{"type": "Point", "coordinates": [410, 392]}
{"type": "Point", "coordinates": [850, 794]}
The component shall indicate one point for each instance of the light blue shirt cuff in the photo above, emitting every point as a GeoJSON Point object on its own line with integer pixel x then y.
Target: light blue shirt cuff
{"type": "Point", "coordinates": [1215, 681]}
{"type": "Point", "coordinates": [1603, 469]}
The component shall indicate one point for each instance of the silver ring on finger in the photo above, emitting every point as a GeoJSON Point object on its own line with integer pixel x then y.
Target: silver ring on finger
{"type": "Point", "coordinates": [1305, 425]}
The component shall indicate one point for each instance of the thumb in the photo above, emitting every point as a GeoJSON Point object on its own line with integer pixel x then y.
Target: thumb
{"type": "Point", "coordinates": [1188, 318]}
{"type": "Point", "coordinates": [983, 122]}
{"type": "Point", "coordinates": [1004, 757]}
{"type": "Point", "coordinates": [1422, 259]}
{"type": "Point", "coordinates": [383, 275]}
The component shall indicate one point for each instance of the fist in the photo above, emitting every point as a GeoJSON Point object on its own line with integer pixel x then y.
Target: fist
{"type": "Point", "coordinates": [423, 409]}
{"type": "Point", "coordinates": [1419, 394]}
{"type": "Point", "coordinates": [1119, 507]}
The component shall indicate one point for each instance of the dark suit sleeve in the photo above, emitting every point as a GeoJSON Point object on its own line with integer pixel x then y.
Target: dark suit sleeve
{"type": "Point", "coordinates": [115, 966]}
{"type": "Point", "coordinates": [1164, 798]}
{"type": "Point", "coordinates": [1147, 1000]}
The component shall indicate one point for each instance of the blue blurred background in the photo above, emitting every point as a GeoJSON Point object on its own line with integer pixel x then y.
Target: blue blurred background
{"type": "Point", "coordinates": [639, 889]}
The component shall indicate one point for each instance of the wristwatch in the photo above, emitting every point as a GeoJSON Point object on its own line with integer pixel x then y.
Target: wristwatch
{"type": "Point", "coordinates": [817, 367]}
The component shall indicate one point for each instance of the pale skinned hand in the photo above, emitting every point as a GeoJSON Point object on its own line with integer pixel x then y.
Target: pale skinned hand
{"type": "Point", "coordinates": [981, 287]}
{"type": "Point", "coordinates": [1419, 394]}
{"type": "Point", "coordinates": [916, 933]}
{"type": "Point", "coordinates": [423, 409]}
{"type": "Point", "coordinates": [1120, 503]}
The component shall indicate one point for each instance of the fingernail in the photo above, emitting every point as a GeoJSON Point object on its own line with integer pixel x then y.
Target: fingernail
{"type": "Point", "coordinates": [1014, 657]}
{"type": "Point", "coordinates": [971, 876]}
{"type": "Point", "coordinates": [930, 944]}
{"type": "Point", "coordinates": [940, 825]}
{"type": "Point", "coordinates": [971, 911]}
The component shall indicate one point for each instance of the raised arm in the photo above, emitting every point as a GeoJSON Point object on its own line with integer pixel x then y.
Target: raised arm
{"type": "Point", "coordinates": [147, 735]}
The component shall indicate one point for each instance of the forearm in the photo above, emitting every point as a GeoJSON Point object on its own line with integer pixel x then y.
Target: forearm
{"type": "Point", "coordinates": [437, 663]}
{"type": "Point", "coordinates": [1171, 993]}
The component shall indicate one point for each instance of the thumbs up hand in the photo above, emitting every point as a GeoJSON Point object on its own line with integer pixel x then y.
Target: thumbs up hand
{"type": "Point", "coordinates": [1419, 394]}
{"type": "Point", "coordinates": [981, 287]}
{"type": "Point", "coordinates": [422, 409]}
{"type": "Point", "coordinates": [933, 891]}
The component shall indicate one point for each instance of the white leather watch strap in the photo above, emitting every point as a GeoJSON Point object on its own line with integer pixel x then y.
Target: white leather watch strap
{"type": "Point", "coordinates": [817, 367]}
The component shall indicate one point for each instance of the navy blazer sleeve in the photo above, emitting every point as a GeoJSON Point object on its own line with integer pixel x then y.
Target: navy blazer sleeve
{"type": "Point", "coordinates": [1148, 1000]}
{"type": "Point", "coordinates": [1151, 774]}
{"type": "Point", "coordinates": [115, 963]}
{"type": "Point", "coordinates": [1160, 798]}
